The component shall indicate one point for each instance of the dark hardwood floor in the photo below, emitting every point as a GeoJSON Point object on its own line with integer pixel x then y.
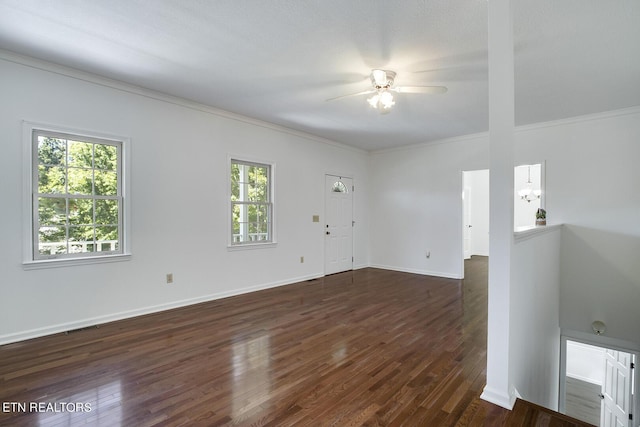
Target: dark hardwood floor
{"type": "Point", "coordinates": [368, 347]}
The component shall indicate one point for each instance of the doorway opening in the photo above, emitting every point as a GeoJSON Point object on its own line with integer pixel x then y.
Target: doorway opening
{"type": "Point", "coordinates": [475, 213]}
{"type": "Point", "coordinates": [599, 384]}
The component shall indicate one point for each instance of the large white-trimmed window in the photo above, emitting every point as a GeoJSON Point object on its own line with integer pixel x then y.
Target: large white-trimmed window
{"type": "Point", "coordinates": [251, 203]}
{"type": "Point", "coordinates": [77, 196]}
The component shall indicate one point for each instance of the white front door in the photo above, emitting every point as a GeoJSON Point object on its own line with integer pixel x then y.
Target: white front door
{"type": "Point", "coordinates": [616, 390]}
{"type": "Point", "coordinates": [338, 230]}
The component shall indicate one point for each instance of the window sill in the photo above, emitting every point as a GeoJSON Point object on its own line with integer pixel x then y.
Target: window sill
{"type": "Point", "coordinates": [250, 246]}
{"type": "Point", "coordinates": [54, 263]}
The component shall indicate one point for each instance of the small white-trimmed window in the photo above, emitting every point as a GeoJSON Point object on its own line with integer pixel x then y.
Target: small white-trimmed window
{"type": "Point", "coordinates": [77, 197]}
{"type": "Point", "coordinates": [251, 203]}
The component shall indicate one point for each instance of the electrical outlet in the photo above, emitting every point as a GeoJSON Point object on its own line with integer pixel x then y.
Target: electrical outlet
{"type": "Point", "coordinates": [169, 278]}
{"type": "Point", "coordinates": [301, 260]}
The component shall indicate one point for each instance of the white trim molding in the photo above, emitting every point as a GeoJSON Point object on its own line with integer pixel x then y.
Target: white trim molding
{"type": "Point", "coordinates": [445, 275]}
{"type": "Point", "coordinates": [499, 398]}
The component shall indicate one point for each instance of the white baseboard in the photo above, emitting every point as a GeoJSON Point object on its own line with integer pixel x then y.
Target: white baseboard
{"type": "Point", "coordinates": [499, 398]}
{"type": "Point", "coordinates": [69, 326]}
{"type": "Point", "coordinates": [584, 379]}
{"type": "Point", "coordinates": [446, 275]}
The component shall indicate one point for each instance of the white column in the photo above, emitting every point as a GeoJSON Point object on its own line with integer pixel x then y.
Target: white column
{"type": "Point", "coordinates": [501, 161]}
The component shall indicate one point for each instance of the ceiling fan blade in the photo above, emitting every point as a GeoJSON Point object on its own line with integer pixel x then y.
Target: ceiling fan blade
{"type": "Point", "coordinates": [366, 92]}
{"type": "Point", "coordinates": [420, 89]}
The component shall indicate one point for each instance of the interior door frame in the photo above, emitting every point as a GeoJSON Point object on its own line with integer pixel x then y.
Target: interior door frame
{"type": "Point", "coordinates": [461, 229]}
{"type": "Point", "coordinates": [352, 177]}
{"type": "Point", "coordinates": [606, 343]}
{"type": "Point", "coordinates": [467, 235]}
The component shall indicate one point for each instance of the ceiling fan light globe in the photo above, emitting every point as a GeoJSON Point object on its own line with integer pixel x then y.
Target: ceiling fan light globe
{"type": "Point", "coordinates": [373, 101]}
{"type": "Point", "coordinates": [386, 97]}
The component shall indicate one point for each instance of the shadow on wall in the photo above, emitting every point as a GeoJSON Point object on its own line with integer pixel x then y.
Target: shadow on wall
{"type": "Point", "coordinates": [600, 280]}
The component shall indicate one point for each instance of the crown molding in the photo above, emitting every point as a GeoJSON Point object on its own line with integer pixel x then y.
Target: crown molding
{"type": "Point", "coordinates": [519, 129]}
{"type": "Point", "coordinates": [453, 139]}
{"type": "Point", "coordinates": [74, 73]}
{"type": "Point", "coordinates": [580, 119]}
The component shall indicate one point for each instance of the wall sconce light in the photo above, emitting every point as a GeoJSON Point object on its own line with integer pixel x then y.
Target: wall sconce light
{"type": "Point", "coordinates": [598, 327]}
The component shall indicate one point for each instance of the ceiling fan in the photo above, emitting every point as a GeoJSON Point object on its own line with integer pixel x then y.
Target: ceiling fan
{"type": "Point", "coordinates": [382, 82]}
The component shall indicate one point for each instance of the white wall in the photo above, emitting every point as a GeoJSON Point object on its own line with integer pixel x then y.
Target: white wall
{"type": "Point", "coordinates": [417, 205]}
{"type": "Point", "coordinates": [178, 202]}
{"type": "Point", "coordinates": [586, 362]}
{"type": "Point", "coordinates": [592, 178]}
{"type": "Point", "coordinates": [534, 342]}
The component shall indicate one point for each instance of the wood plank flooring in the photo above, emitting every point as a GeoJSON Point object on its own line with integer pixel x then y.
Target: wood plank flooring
{"type": "Point", "coordinates": [368, 347]}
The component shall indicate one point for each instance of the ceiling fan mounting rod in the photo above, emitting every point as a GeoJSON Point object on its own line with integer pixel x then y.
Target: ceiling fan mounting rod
{"type": "Point", "coordinates": [382, 79]}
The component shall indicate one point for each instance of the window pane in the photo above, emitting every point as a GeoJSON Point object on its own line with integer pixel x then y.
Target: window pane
{"type": "Point", "coordinates": [258, 231]}
{"type": "Point", "coordinates": [257, 194]}
{"type": "Point", "coordinates": [252, 213]}
{"type": "Point", "coordinates": [235, 180]}
{"type": "Point", "coordinates": [263, 213]}
{"type": "Point", "coordinates": [258, 184]}
{"type": "Point", "coordinates": [107, 212]}
{"type": "Point", "coordinates": [51, 180]}
{"type": "Point", "coordinates": [51, 151]}
{"type": "Point", "coordinates": [52, 240]}
{"type": "Point", "coordinates": [80, 181]}
{"type": "Point", "coordinates": [81, 239]}
{"type": "Point", "coordinates": [235, 213]}
{"type": "Point", "coordinates": [339, 187]}
{"type": "Point", "coordinates": [52, 211]}
{"type": "Point", "coordinates": [80, 211]}
{"type": "Point", "coordinates": [106, 157]}
{"type": "Point", "coordinates": [107, 237]}
{"type": "Point", "coordinates": [106, 183]}
{"type": "Point", "coordinates": [80, 154]}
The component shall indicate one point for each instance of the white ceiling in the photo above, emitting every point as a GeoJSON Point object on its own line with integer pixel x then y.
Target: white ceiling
{"type": "Point", "coordinates": [279, 60]}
